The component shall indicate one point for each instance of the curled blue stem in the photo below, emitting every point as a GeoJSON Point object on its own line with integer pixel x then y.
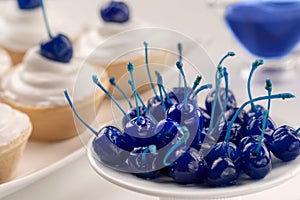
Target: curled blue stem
{"type": "Point", "coordinates": [179, 47]}
{"type": "Point", "coordinates": [269, 89]}
{"type": "Point", "coordinates": [183, 140]}
{"type": "Point", "coordinates": [229, 54]}
{"type": "Point", "coordinates": [203, 87]}
{"type": "Point", "coordinates": [152, 149]}
{"type": "Point", "coordinates": [113, 83]}
{"type": "Point", "coordinates": [255, 65]}
{"type": "Point", "coordinates": [148, 69]}
{"type": "Point", "coordinates": [179, 66]}
{"type": "Point", "coordinates": [275, 96]}
{"type": "Point", "coordinates": [130, 69]}
{"type": "Point", "coordinates": [159, 83]}
{"type": "Point", "coordinates": [264, 124]}
{"type": "Point", "coordinates": [144, 106]}
{"type": "Point", "coordinates": [45, 19]}
{"type": "Point", "coordinates": [96, 81]}
{"type": "Point", "coordinates": [77, 115]}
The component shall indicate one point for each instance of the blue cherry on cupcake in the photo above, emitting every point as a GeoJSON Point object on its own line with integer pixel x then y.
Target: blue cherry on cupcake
{"type": "Point", "coordinates": [28, 4]}
{"type": "Point", "coordinates": [115, 11]}
{"type": "Point", "coordinates": [58, 48]}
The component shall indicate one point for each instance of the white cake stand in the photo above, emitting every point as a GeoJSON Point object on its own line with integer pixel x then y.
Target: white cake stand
{"type": "Point", "coordinates": [163, 189]}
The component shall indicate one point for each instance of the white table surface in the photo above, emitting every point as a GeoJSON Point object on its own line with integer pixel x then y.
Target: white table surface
{"type": "Point", "coordinates": [77, 180]}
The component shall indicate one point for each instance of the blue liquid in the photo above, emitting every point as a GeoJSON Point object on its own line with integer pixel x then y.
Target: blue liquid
{"type": "Point", "coordinates": [269, 29]}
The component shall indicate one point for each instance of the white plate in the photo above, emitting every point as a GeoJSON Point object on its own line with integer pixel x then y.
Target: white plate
{"type": "Point", "coordinates": [281, 172]}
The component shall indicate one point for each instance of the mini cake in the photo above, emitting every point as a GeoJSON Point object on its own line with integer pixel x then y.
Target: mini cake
{"type": "Point", "coordinates": [36, 87]}
{"type": "Point", "coordinates": [22, 27]}
{"type": "Point", "coordinates": [15, 129]}
{"type": "Point", "coordinates": [99, 46]}
{"type": "Point", "coordinates": [5, 62]}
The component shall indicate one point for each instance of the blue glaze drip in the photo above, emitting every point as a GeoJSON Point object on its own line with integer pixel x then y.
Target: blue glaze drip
{"type": "Point", "coordinates": [96, 81]}
{"type": "Point", "coordinates": [148, 69]}
{"type": "Point", "coordinates": [115, 11]}
{"type": "Point", "coordinates": [77, 115]}
{"type": "Point", "coordinates": [255, 65]}
{"type": "Point", "coordinates": [130, 69]}
{"type": "Point", "coordinates": [269, 29]}
{"type": "Point", "coordinates": [275, 96]}
{"type": "Point", "coordinates": [113, 82]}
{"type": "Point", "coordinates": [28, 4]}
{"type": "Point", "coordinates": [261, 137]}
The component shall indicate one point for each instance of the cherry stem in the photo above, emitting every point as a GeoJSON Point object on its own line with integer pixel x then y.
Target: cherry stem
{"type": "Point", "coordinates": [255, 65]}
{"type": "Point", "coordinates": [77, 115]}
{"type": "Point", "coordinates": [195, 85]}
{"type": "Point", "coordinates": [203, 87]}
{"type": "Point", "coordinates": [45, 19]}
{"type": "Point", "coordinates": [163, 89]}
{"type": "Point", "coordinates": [179, 47]}
{"type": "Point", "coordinates": [130, 69]}
{"type": "Point", "coordinates": [275, 96]}
{"type": "Point", "coordinates": [152, 149]}
{"type": "Point", "coordinates": [183, 140]}
{"type": "Point", "coordinates": [297, 131]}
{"type": "Point", "coordinates": [264, 124]}
{"type": "Point", "coordinates": [159, 83]}
{"type": "Point", "coordinates": [219, 75]}
{"type": "Point", "coordinates": [148, 69]}
{"type": "Point", "coordinates": [179, 66]}
{"type": "Point", "coordinates": [96, 81]}
{"type": "Point", "coordinates": [113, 83]}
{"type": "Point", "coordinates": [268, 87]}
{"type": "Point", "coordinates": [144, 106]}
{"type": "Point", "coordinates": [229, 54]}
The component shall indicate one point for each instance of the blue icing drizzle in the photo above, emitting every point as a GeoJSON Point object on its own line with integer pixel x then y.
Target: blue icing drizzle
{"type": "Point", "coordinates": [269, 29]}
{"type": "Point", "coordinates": [115, 11]}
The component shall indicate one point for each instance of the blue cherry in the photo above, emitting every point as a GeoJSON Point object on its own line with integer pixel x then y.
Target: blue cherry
{"type": "Point", "coordinates": [115, 11]}
{"type": "Point", "coordinates": [255, 157]}
{"type": "Point", "coordinates": [59, 48]}
{"type": "Point", "coordinates": [28, 4]}
{"type": "Point", "coordinates": [189, 168]}
{"type": "Point", "coordinates": [143, 162]}
{"type": "Point", "coordinates": [285, 144]}
{"type": "Point", "coordinates": [222, 172]}
{"type": "Point", "coordinates": [241, 119]}
{"type": "Point", "coordinates": [110, 145]}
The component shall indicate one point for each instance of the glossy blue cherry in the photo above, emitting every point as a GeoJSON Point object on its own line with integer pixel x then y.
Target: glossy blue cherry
{"type": "Point", "coordinates": [142, 162]}
{"type": "Point", "coordinates": [190, 168]}
{"type": "Point", "coordinates": [140, 131]}
{"type": "Point", "coordinates": [115, 11]}
{"type": "Point", "coordinates": [241, 119]}
{"type": "Point", "coordinates": [59, 48]}
{"type": "Point", "coordinates": [111, 146]}
{"type": "Point", "coordinates": [256, 164]}
{"type": "Point", "coordinates": [286, 143]}
{"type": "Point", "coordinates": [28, 4]}
{"type": "Point", "coordinates": [222, 172]}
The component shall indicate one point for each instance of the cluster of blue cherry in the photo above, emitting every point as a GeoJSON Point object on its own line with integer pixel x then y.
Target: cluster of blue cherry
{"type": "Point", "coordinates": [173, 136]}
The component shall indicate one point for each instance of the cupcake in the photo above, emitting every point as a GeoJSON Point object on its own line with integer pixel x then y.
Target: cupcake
{"type": "Point", "coordinates": [104, 46]}
{"type": "Point", "coordinates": [5, 62]}
{"type": "Point", "coordinates": [22, 27]}
{"type": "Point", "coordinates": [15, 129]}
{"type": "Point", "coordinates": [36, 87]}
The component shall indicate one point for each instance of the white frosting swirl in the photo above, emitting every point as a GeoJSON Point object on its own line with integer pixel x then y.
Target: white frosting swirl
{"type": "Point", "coordinates": [5, 62]}
{"type": "Point", "coordinates": [23, 29]}
{"type": "Point", "coordinates": [40, 82]}
{"type": "Point", "coordinates": [88, 42]}
{"type": "Point", "coordinates": [12, 124]}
